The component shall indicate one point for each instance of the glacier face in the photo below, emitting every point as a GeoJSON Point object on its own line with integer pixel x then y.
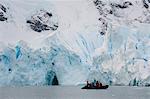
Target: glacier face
{"type": "Point", "coordinates": [81, 40]}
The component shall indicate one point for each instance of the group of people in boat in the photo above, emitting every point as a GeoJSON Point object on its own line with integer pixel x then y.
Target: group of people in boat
{"type": "Point", "coordinates": [94, 84]}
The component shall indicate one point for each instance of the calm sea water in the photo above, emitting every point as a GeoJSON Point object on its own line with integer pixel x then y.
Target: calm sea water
{"type": "Point", "coordinates": [74, 92]}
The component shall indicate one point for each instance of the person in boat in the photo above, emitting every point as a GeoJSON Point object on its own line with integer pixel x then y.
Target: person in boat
{"type": "Point", "coordinates": [100, 84]}
{"type": "Point", "coordinates": [97, 84]}
{"type": "Point", "coordinates": [94, 82]}
{"type": "Point", "coordinates": [88, 84]}
{"type": "Point", "coordinates": [92, 85]}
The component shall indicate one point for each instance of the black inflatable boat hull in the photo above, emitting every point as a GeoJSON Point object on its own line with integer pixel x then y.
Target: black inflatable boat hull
{"type": "Point", "coordinates": [103, 87]}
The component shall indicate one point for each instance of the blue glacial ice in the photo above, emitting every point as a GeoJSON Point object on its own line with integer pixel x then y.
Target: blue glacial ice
{"type": "Point", "coordinates": [110, 44]}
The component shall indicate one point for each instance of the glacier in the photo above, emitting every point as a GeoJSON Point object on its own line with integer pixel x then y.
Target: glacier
{"type": "Point", "coordinates": [82, 40]}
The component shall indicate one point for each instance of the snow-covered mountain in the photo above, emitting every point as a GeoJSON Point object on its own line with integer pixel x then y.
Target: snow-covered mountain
{"type": "Point", "coordinates": [74, 40]}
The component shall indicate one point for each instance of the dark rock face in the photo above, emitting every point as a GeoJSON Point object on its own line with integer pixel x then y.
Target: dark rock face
{"type": "Point", "coordinates": [41, 21]}
{"type": "Point", "coordinates": [145, 4]}
{"type": "Point", "coordinates": [123, 6]}
{"type": "Point", "coordinates": [3, 12]}
{"type": "Point", "coordinates": [108, 9]}
{"type": "Point", "coordinates": [104, 11]}
{"type": "Point", "coordinates": [51, 78]}
{"type": "Point", "coordinates": [98, 2]}
{"type": "Point", "coordinates": [102, 33]}
{"type": "Point", "coordinates": [100, 6]}
{"type": "Point", "coordinates": [37, 25]}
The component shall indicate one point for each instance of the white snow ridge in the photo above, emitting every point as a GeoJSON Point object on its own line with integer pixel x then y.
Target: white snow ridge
{"type": "Point", "coordinates": [75, 41]}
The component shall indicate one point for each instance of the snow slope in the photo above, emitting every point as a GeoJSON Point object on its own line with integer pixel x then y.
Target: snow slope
{"type": "Point", "coordinates": [76, 40]}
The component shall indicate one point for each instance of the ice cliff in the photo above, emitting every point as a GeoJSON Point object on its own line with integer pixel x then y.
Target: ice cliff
{"type": "Point", "coordinates": [74, 41]}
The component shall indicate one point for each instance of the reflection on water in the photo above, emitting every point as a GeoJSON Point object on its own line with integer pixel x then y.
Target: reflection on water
{"type": "Point", "coordinates": [74, 92]}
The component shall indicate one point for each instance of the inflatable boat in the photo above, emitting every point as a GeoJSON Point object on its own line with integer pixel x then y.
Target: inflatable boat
{"type": "Point", "coordinates": [102, 87]}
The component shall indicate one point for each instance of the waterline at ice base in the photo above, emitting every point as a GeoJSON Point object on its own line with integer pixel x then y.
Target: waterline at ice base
{"type": "Point", "coordinates": [54, 42]}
